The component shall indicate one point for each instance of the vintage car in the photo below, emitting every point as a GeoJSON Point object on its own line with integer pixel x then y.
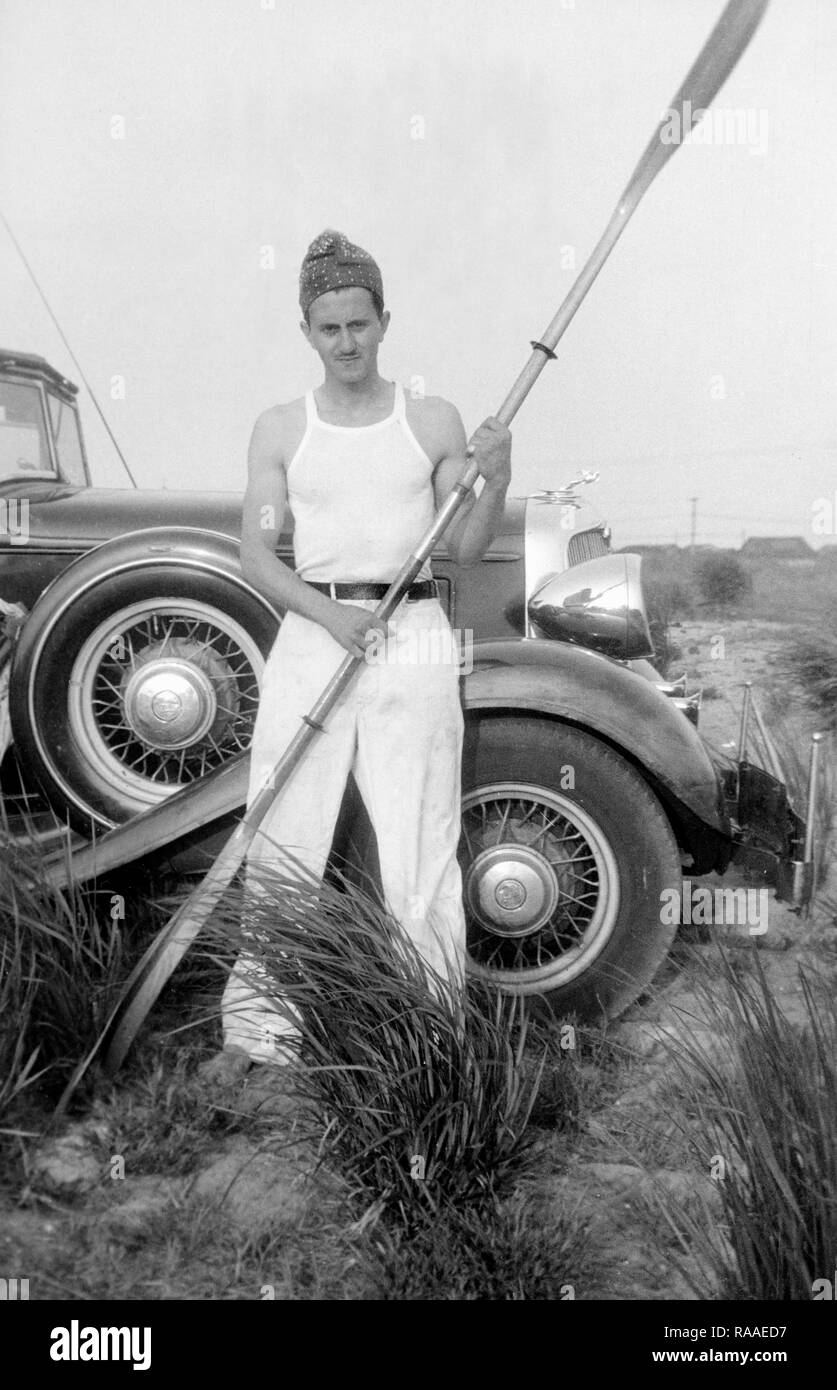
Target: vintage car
{"type": "Point", "coordinates": [587, 788]}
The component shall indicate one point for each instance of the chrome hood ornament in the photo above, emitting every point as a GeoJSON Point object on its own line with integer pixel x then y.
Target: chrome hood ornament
{"type": "Point", "coordinates": [566, 495]}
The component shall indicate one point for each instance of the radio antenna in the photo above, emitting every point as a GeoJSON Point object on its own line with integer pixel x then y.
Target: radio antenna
{"type": "Point", "coordinates": [63, 337]}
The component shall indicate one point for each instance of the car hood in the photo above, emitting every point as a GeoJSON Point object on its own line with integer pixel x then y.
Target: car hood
{"type": "Point", "coordinates": [79, 518]}
{"type": "Point", "coordinates": [65, 518]}
{"type": "Point", "coordinates": [69, 521]}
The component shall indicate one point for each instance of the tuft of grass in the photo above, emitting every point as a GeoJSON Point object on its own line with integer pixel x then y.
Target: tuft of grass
{"type": "Point", "coordinates": [63, 958]}
{"type": "Point", "coordinates": [760, 1114]}
{"type": "Point", "coordinates": [162, 1119]}
{"type": "Point", "coordinates": [18, 995]}
{"type": "Point", "coordinates": [522, 1253]}
{"type": "Point", "coordinates": [193, 1250]}
{"type": "Point", "coordinates": [419, 1085]}
{"type": "Point", "coordinates": [576, 1065]}
{"type": "Point", "coordinates": [810, 662]}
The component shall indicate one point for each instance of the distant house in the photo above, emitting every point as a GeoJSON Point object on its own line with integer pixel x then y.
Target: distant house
{"type": "Point", "coordinates": [661, 552]}
{"type": "Point", "coordinates": [784, 550]}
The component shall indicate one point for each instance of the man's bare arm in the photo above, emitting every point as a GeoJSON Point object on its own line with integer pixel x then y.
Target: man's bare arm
{"type": "Point", "coordinates": [478, 523]}
{"type": "Point", "coordinates": [264, 510]}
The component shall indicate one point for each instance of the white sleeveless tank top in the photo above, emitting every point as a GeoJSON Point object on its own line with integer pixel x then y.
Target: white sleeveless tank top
{"type": "Point", "coordinates": [361, 497]}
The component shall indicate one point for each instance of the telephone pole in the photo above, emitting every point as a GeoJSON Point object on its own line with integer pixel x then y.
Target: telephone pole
{"type": "Point", "coordinates": [694, 503]}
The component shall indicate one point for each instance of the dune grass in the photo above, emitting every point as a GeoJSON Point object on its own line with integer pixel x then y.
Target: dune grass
{"type": "Point", "coordinates": [523, 1252]}
{"type": "Point", "coordinates": [62, 957]}
{"type": "Point", "coordinates": [415, 1094]}
{"type": "Point", "coordinates": [809, 661]}
{"type": "Point", "coordinates": [759, 1115]}
{"type": "Point", "coordinates": [421, 1087]}
{"type": "Point", "coordinates": [65, 954]}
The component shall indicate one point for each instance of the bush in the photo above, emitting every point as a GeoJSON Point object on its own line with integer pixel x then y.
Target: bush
{"type": "Point", "coordinates": [722, 580]}
{"type": "Point", "coordinates": [811, 662]}
{"type": "Point", "coordinates": [668, 600]}
{"type": "Point", "coordinates": [668, 587]}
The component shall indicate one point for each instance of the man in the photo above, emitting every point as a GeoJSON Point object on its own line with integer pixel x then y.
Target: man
{"type": "Point", "coordinates": [363, 469]}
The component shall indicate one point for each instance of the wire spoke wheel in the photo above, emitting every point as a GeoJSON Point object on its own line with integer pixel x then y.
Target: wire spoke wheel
{"type": "Point", "coordinates": [163, 693]}
{"type": "Point", "coordinates": [138, 673]}
{"type": "Point", "coordinates": [565, 855]}
{"type": "Point", "coordinates": [540, 882]}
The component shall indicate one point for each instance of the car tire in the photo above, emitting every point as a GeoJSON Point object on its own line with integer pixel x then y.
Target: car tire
{"type": "Point", "coordinates": [127, 688]}
{"type": "Point", "coordinates": [566, 854]}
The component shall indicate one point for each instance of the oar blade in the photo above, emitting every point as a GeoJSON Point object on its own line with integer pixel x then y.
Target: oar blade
{"type": "Point", "coordinates": [708, 73]}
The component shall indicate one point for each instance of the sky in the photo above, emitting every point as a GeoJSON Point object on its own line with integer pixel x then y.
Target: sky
{"type": "Point", "coordinates": [164, 167]}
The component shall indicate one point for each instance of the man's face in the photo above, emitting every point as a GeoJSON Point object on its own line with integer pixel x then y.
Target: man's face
{"type": "Point", "coordinates": [345, 331]}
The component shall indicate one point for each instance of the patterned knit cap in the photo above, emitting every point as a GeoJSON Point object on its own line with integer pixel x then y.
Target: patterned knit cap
{"type": "Point", "coordinates": [333, 262]}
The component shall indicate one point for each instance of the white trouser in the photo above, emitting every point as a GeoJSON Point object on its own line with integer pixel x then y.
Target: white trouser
{"type": "Point", "coordinates": [398, 728]}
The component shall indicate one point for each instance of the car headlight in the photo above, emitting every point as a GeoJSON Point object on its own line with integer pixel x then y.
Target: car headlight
{"type": "Point", "coordinates": [598, 604]}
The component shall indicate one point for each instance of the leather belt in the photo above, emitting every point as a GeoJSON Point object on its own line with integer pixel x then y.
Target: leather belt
{"type": "Point", "coordinates": [423, 589]}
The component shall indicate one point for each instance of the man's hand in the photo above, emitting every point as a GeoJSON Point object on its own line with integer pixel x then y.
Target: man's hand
{"type": "Point", "coordinates": [355, 628]}
{"type": "Point", "coordinates": [491, 444]}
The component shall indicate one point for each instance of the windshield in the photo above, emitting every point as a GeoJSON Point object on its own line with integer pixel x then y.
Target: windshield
{"type": "Point", "coordinates": [67, 435]}
{"type": "Point", "coordinates": [24, 449]}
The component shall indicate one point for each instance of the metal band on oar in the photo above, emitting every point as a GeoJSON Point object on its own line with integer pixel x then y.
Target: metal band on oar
{"type": "Point", "coordinates": [723, 48]}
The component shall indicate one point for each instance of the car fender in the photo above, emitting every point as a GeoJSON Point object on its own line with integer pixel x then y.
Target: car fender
{"type": "Point", "coordinates": [601, 695]}
{"type": "Point", "coordinates": [194, 549]}
{"type": "Point", "coordinates": [191, 561]}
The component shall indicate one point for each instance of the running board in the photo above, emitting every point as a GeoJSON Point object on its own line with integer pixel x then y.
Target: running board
{"type": "Point", "coordinates": [193, 810]}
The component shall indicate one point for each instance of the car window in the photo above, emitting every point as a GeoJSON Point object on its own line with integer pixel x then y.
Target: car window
{"type": "Point", "coordinates": [23, 439]}
{"type": "Point", "coordinates": [67, 436]}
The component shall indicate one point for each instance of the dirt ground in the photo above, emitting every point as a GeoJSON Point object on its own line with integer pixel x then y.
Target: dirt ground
{"type": "Point", "coordinates": [719, 657]}
{"type": "Point", "coordinates": [82, 1228]}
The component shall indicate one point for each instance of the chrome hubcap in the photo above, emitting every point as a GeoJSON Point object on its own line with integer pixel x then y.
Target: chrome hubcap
{"type": "Point", "coordinates": [511, 889]}
{"type": "Point", "coordinates": [541, 886]}
{"type": "Point", "coordinates": [169, 704]}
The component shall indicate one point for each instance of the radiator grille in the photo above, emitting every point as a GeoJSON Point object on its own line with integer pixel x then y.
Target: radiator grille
{"type": "Point", "coordinates": [587, 545]}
